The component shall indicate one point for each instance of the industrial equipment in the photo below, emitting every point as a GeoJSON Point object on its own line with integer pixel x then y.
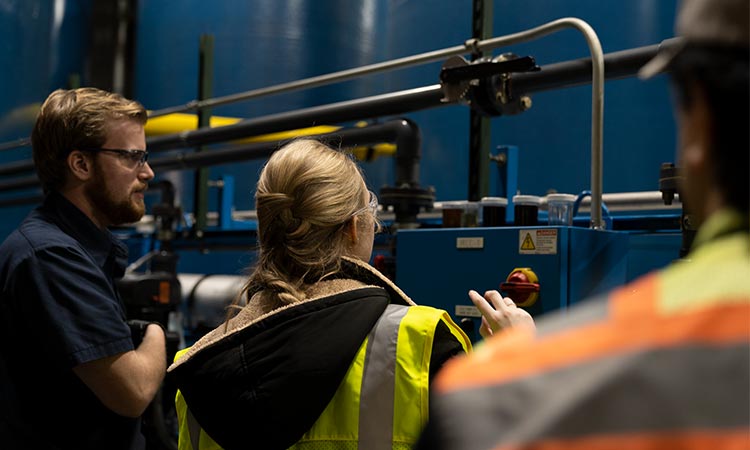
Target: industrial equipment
{"type": "Point", "coordinates": [437, 267]}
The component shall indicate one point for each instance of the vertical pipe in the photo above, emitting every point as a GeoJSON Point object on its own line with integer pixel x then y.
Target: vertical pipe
{"type": "Point", "coordinates": [408, 140]}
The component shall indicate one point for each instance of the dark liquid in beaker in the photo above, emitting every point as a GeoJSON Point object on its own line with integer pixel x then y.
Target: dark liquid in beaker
{"type": "Point", "coordinates": [493, 216]}
{"type": "Point", "coordinates": [452, 218]}
{"type": "Point", "coordinates": [526, 215]}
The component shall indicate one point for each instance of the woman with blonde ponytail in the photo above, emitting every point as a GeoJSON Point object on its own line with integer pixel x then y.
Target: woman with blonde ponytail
{"type": "Point", "coordinates": [322, 351]}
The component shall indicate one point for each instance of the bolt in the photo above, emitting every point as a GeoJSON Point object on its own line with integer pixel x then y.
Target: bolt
{"type": "Point", "coordinates": [525, 102]}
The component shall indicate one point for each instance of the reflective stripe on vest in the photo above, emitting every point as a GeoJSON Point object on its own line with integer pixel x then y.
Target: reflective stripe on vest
{"type": "Point", "coordinates": [379, 380]}
{"type": "Point", "coordinates": [387, 384]}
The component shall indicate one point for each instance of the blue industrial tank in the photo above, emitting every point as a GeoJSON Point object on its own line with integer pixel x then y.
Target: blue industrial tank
{"type": "Point", "coordinates": [43, 46]}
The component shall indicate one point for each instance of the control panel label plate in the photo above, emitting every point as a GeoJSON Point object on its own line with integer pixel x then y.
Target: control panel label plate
{"type": "Point", "coordinates": [469, 242]}
{"type": "Point", "coordinates": [467, 311]}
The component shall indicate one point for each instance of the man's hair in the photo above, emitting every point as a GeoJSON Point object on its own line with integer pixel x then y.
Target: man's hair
{"type": "Point", "coordinates": [723, 74]}
{"type": "Point", "coordinates": [71, 119]}
{"type": "Point", "coordinates": [306, 194]}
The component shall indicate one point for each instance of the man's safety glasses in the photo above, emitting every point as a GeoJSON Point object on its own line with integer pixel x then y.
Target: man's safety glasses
{"type": "Point", "coordinates": [138, 157]}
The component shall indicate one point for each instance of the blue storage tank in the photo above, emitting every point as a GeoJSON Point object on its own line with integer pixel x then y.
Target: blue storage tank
{"type": "Point", "coordinates": [43, 45]}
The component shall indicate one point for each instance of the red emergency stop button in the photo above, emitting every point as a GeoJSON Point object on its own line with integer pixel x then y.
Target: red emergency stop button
{"type": "Point", "coordinates": [522, 285]}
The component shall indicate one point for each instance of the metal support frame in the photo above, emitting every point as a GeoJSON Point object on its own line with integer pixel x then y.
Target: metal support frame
{"type": "Point", "coordinates": [226, 188]}
{"type": "Point", "coordinates": [226, 202]}
{"type": "Point", "coordinates": [480, 128]}
{"type": "Point", "coordinates": [205, 90]}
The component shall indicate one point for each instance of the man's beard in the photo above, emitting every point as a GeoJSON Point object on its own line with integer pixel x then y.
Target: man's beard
{"type": "Point", "coordinates": [117, 212]}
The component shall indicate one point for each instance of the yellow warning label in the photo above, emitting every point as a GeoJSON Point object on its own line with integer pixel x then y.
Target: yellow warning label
{"type": "Point", "coordinates": [528, 243]}
{"type": "Point", "coordinates": [537, 242]}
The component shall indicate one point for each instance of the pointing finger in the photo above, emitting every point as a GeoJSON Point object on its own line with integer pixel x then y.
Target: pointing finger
{"type": "Point", "coordinates": [480, 303]}
{"type": "Point", "coordinates": [496, 299]}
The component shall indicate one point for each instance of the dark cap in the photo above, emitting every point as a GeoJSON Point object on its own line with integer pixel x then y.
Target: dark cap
{"type": "Point", "coordinates": [704, 22]}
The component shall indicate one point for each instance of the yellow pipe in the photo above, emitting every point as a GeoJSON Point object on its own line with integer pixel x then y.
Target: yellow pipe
{"type": "Point", "coordinates": [179, 122]}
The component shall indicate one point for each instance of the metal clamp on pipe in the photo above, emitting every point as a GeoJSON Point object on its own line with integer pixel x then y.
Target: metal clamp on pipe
{"type": "Point", "coordinates": [484, 82]}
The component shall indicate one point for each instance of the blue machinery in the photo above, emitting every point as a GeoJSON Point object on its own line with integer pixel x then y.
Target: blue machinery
{"type": "Point", "coordinates": [565, 264]}
{"type": "Point", "coordinates": [437, 266]}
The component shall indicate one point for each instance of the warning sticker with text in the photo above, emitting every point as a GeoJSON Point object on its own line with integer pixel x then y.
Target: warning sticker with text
{"type": "Point", "coordinates": [537, 242]}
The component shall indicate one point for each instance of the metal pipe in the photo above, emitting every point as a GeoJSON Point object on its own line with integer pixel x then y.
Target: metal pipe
{"type": "Point", "coordinates": [393, 103]}
{"type": "Point", "coordinates": [321, 80]}
{"type": "Point", "coordinates": [469, 46]}
{"type": "Point", "coordinates": [19, 183]}
{"type": "Point", "coordinates": [22, 142]}
{"type": "Point", "coordinates": [17, 167]}
{"type": "Point", "coordinates": [397, 131]}
{"type": "Point", "coordinates": [379, 105]}
{"type": "Point", "coordinates": [23, 200]}
{"type": "Point", "coordinates": [404, 133]}
{"type": "Point", "coordinates": [620, 64]}
{"type": "Point", "coordinates": [408, 142]}
{"type": "Point", "coordinates": [633, 201]}
{"type": "Point", "coordinates": [207, 297]}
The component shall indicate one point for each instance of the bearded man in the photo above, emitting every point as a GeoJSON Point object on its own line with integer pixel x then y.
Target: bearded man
{"type": "Point", "coordinates": [61, 318]}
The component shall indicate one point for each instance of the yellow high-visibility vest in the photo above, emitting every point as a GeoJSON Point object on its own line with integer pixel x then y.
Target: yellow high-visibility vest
{"type": "Point", "coordinates": [383, 399]}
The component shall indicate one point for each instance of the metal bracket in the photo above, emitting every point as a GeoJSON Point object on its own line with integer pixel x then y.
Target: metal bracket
{"type": "Point", "coordinates": [458, 75]}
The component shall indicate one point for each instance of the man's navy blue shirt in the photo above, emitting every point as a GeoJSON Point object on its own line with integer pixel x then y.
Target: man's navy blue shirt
{"type": "Point", "coordinates": [59, 308]}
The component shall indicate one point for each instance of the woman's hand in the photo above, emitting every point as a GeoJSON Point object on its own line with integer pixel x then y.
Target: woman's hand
{"type": "Point", "coordinates": [504, 315]}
